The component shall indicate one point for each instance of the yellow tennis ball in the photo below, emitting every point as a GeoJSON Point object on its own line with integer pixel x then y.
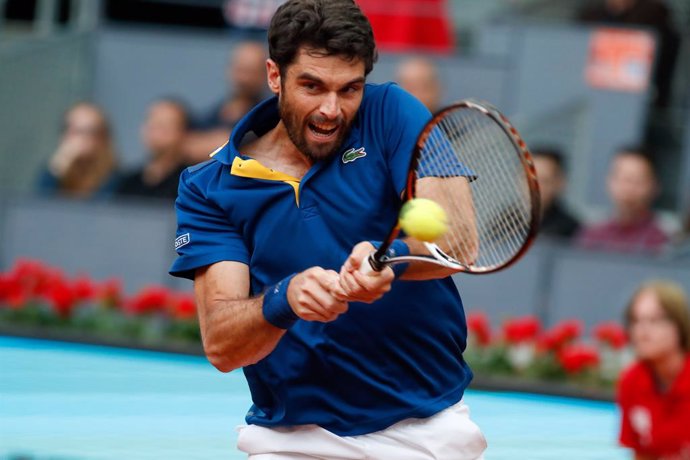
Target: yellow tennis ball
{"type": "Point", "coordinates": [423, 219]}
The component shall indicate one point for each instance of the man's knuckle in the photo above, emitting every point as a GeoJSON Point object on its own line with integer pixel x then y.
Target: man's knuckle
{"type": "Point", "coordinates": [302, 299]}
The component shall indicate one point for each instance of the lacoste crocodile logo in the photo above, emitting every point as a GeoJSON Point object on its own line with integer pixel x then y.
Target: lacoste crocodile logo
{"type": "Point", "coordinates": [351, 155]}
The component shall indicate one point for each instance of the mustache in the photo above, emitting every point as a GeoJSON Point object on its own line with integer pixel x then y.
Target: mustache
{"type": "Point", "coordinates": [317, 119]}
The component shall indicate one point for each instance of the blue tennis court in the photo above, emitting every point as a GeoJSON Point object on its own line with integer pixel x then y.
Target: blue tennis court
{"type": "Point", "coordinates": [62, 401]}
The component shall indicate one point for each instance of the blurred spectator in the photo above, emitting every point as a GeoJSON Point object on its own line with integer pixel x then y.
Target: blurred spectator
{"type": "Point", "coordinates": [556, 221]}
{"type": "Point", "coordinates": [250, 15]}
{"type": "Point", "coordinates": [419, 77]}
{"type": "Point", "coordinates": [162, 134]}
{"type": "Point", "coordinates": [246, 78]}
{"type": "Point", "coordinates": [649, 13]}
{"type": "Point", "coordinates": [654, 393]}
{"type": "Point", "coordinates": [632, 187]}
{"type": "Point", "coordinates": [84, 164]}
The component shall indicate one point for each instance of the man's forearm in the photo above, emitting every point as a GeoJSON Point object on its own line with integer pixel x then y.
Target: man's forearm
{"type": "Point", "coordinates": [235, 333]}
{"type": "Point", "coordinates": [419, 271]}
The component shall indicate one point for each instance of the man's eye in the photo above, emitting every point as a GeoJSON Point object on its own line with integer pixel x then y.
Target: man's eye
{"type": "Point", "coordinates": [351, 90]}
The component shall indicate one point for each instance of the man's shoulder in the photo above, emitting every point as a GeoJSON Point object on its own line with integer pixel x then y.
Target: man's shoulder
{"type": "Point", "coordinates": [656, 229]}
{"type": "Point", "coordinates": [132, 174]}
{"type": "Point", "coordinates": [385, 102]}
{"type": "Point", "coordinates": [558, 219]}
{"type": "Point", "coordinates": [201, 166]}
{"type": "Point", "coordinates": [130, 180]}
{"type": "Point", "coordinates": [600, 229]}
{"type": "Point", "coordinates": [202, 175]}
{"type": "Point", "coordinates": [378, 92]}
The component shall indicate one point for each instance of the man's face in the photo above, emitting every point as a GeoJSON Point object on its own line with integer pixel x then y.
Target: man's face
{"type": "Point", "coordinates": [318, 98]}
{"type": "Point", "coordinates": [164, 128]}
{"type": "Point", "coordinates": [418, 77]}
{"type": "Point", "coordinates": [247, 70]}
{"type": "Point", "coordinates": [631, 185]}
{"type": "Point", "coordinates": [550, 179]}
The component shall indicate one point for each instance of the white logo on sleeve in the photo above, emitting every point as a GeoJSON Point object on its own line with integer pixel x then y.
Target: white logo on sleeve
{"type": "Point", "coordinates": [641, 421]}
{"type": "Point", "coordinates": [182, 240]}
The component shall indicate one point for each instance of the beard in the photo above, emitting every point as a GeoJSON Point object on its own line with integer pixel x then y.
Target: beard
{"type": "Point", "coordinates": [297, 128]}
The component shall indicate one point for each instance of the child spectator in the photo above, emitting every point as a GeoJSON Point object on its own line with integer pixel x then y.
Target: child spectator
{"type": "Point", "coordinates": [654, 393]}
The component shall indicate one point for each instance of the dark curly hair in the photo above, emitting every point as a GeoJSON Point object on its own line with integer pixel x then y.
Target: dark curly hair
{"type": "Point", "coordinates": [328, 27]}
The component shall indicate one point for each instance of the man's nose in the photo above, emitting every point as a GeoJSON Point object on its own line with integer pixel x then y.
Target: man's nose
{"type": "Point", "coordinates": [330, 108]}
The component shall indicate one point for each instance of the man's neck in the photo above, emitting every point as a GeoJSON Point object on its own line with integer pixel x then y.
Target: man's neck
{"type": "Point", "coordinates": [275, 150]}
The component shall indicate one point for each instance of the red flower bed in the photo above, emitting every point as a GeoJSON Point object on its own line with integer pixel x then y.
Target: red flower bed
{"type": "Point", "coordinates": [33, 292]}
{"type": "Point", "coordinates": [36, 294]}
{"type": "Point", "coordinates": [479, 328]}
{"type": "Point", "coordinates": [560, 335]}
{"type": "Point", "coordinates": [520, 330]}
{"type": "Point", "coordinates": [525, 348]}
{"type": "Point", "coordinates": [578, 358]}
{"type": "Point", "coordinates": [611, 334]}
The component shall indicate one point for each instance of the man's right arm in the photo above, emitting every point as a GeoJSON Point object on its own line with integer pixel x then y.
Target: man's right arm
{"type": "Point", "coordinates": [234, 330]}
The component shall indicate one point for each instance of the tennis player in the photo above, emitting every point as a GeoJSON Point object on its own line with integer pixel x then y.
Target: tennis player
{"type": "Point", "coordinates": [273, 230]}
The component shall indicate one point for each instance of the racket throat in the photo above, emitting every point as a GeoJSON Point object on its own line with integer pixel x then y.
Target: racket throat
{"type": "Point", "coordinates": [436, 256]}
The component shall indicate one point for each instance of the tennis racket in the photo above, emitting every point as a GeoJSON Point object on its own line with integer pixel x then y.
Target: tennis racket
{"type": "Point", "coordinates": [471, 161]}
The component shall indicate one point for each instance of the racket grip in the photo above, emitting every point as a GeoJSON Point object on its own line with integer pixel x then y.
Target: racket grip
{"type": "Point", "coordinates": [368, 265]}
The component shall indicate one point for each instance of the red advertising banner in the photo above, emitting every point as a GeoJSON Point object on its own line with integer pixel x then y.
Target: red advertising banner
{"type": "Point", "coordinates": [410, 25]}
{"type": "Point", "coordinates": [620, 59]}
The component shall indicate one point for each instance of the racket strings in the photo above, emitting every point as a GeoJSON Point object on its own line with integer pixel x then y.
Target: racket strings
{"type": "Point", "coordinates": [438, 163]}
{"type": "Point", "coordinates": [475, 138]}
{"type": "Point", "coordinates": [468, 143]}
{"type": "Point", "coordinates": [505, 224]}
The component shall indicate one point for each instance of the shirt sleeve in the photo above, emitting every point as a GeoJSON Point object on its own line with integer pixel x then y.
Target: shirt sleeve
{"type": "Point", "coordinates": [627, 436]}
{"type": "Point", "coordinates": [404, 117]}
{"type": "Point", "coordinates": [204, 233]}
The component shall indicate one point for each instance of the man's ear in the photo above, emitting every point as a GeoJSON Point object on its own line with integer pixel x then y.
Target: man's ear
{"type": "Point", "coordinates": [273, 74]}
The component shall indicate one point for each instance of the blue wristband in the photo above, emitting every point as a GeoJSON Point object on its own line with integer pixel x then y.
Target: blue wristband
{"type": "Point", "coordinates": [276, 308]}
{"type": "Point", "coordinates": [396, 249]}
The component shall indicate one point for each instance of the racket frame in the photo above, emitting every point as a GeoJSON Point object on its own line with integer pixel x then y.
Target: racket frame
{"type": "Point", "coordinates": [379, 259]}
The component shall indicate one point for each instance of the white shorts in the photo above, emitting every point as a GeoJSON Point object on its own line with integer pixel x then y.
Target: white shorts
{"type": "Point", "coordinates": [448, 435]}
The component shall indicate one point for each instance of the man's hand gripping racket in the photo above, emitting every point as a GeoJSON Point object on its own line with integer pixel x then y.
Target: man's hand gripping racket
{"type": "Point", "coordinates": [472, 163]}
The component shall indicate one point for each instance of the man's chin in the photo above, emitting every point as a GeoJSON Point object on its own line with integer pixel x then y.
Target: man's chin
{"type": "Point", "coordinates": [322, 151]}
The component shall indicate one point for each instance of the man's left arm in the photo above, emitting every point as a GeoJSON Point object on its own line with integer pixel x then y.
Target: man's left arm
{"type": "Point", "coordinates": [404, 119]}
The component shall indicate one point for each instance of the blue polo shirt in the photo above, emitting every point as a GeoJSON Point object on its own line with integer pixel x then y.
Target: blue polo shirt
{"type": "Point", "coordinates": [377, 364]}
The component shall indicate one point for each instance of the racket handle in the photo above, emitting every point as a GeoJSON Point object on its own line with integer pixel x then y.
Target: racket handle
{"type": "Point", "coordinates": [370, 265]}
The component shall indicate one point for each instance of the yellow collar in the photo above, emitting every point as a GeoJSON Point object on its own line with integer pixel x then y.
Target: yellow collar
{"type": "Point", "coordinates": [252, 169]}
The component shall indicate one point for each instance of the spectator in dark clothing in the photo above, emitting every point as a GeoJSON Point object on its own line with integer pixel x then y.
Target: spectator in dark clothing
{"type": "Point", "coordinates": [246, 77]}
{"type": "Point", "coordinates": [556, 220]}
{"type": "Point", "coordinates": [632, 187]}
{"type": "Point", "coordinates": [649, 13]}
{"type": "Point", "coordinates": [163, 135]}
{"type": "Point", "coordinates": [84, 165]}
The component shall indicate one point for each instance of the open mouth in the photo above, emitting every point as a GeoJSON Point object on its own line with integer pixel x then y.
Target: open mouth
{"type": "Point", "coordinates": [322, 130]}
